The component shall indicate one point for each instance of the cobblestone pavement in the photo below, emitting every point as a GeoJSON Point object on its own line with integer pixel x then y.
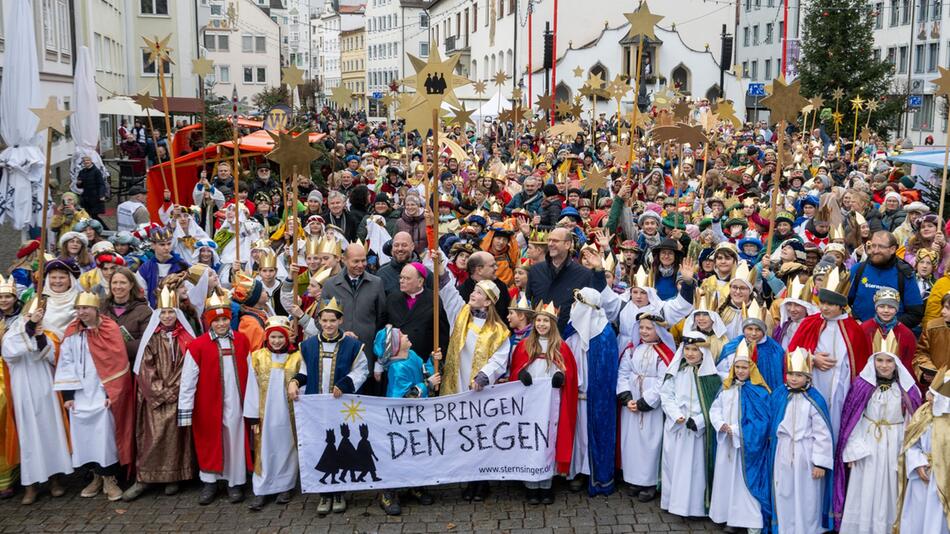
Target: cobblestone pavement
{"type": "Point", "coordinates": [504, 511]}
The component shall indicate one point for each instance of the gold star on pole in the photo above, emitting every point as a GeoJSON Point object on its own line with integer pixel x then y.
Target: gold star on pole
{"type": "Point", "coordinates": [595, 81]}
{"type": "Point", "coordinates": [569, 128]}
{"type": "Point", "coordinates": [619, 88]}
{"type": "Point", "coordinates": [578, 71]}
{"type": "Point", "coordinates": [681, 111]}
{"type": "Point", "coordinates": [642, 22]}
{"type": "Point", "coordinates": [587, 91]}
{"type": "Point", "coordinates": [293, 76]}
{"type": "Point", "coordinates": [563, 107]}
{"type": "Point", "coordinates": [158, 49]}
{"type": "Point", "coordinates": [342, 96]}
{"type": "Point", "coordinates": [576, 110]}
{"type": "Point", "coordinates": [663, 98]}
{"type": "Point", "coordinates": [145, 100]}
{"type": "Point", "coordinates": [865, 135]}
{"type": "Point", "coordinates": [388, 100]}
{"type": "Point", "coordinates": [462, 117]}
{"type": "Point", "coordinates": [292, 151]}
{"type": "Point", "coordinates": [873, 105]}
{"type": "Point", "coordinates": [479, 88]}
{"type": "Point", "coordinates": [500, 78]}
{"type": "Point", "coordinates": [202, 66]}
{"type": "Point", "coordinates": [596, 179]}
{"type": "Point", "coordinates": [727, 113]}
{"type": "Point", "coordinates": [545, 102]}
{"type": "Point", "coordinates": [837, 117]}
{"type": "Point", "coordinates": [837, 94]}
{"type": "Point", "coordinates": [857, 103]}
{"type": "Point", "coordinates": [516, 94]}
{"type": "Point", "coordinates": [943, 81]}
{"type": "Point", "coordinates": [539, 126]}
{"type": "Point", "coordinates": [784, 100]}
{"type": "Point", "coordinates": [50, 117]}
{"type": "Point", "coordinates": [435, 80]}
{"type": "Point", "coordinates": [621, 153]}
{"type": "Point", "coordinates": [817, 102]}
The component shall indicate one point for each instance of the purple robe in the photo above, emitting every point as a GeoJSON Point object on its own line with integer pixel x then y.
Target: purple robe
{"type": "Point", "coordinates": [854, 406]}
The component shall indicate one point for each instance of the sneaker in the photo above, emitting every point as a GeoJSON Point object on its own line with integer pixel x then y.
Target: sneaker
{"type": "Point", "coordinates": [283, 498]}
{"type": "Point", "coordinates": [389, 502]}
{"type": "Point", "coordinates": [29, 495]}
{"type": "Point", "coordinates": [93, 488]}
{"type": "Point", "coordinates": [422, 495]}
{"type": "Point", "coordinates": [208, 491]}
{"type": "Point", "coordinates": [235, 494]}
{"type": "Point", "coordinates": [323, 508]}
{"type": "Point", "coordinates": [134, 492]}
{"type": "Point", "coordinates": [171, 489]}
{"type": "Point", "coordinates": [256, 504]}
{"type": "Point", "coordinates": [111, 488]}
{"type": "Point", "coordinates": [532, 496]}
{"type": "Point", "coordinates": [339, 503]}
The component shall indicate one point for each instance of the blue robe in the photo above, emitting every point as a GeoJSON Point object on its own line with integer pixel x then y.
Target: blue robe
{"type": "Point", "coordinates": [603, 362]}
{"type": "Point", "coordinates": [149, 272]}
{"type": "Point", "coordinates": [769, 358]}
{"type": "Point", "coordinates": [754, 421]}
{"type": "Point", "coordinates": [349, 349]}
{"type": "Point", "coordinates": [402, 375]}
{"type": "Point", "coordinates": [778, 401]}
{"type": "Point", "coordinates": [665, 286]}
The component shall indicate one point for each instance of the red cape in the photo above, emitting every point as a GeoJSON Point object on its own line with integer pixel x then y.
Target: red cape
{"type": "Point", "coordinates": [115, 374]}
{"type": "Point", "coordinates": [567, 418]}
{"type": "Point", "coordinates": [859, 349]}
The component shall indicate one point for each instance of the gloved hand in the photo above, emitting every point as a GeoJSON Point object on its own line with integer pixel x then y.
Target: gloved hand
{"type": "Point", "coordinates": [690, 424]}
{"type": "Point", "coordinates": [557, 381]}
{"type": "Point", "coordinates": [525, 377]}
{"type": "Point", "coordinates": [481, 380]}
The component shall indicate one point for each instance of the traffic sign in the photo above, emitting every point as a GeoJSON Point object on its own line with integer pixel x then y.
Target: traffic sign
{"type": "Point", "coordinates": [915, 101]}
{"type": "Point", "coordinates": [756, 89]}
{"type": "Point", "coordinates": [377, 95]}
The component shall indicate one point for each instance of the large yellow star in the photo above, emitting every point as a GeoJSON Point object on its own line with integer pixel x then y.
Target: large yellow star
{"type": "Point", "coordinates": [619, 88]}
{"type": "Point", "coordinates": [435, 80]}
{"type": "Point", "coordinates": [202, 66]}
{"type": "Point", "coordinates": [50, 117]}
{"type": "Point", "coordinates": [158, 49]}
{"type": "Point", "coordinates": [545, 102]}
{"type": "Point", "coordinates": [292, 76]}
{"type": "Point", "coordinates": [596, 179]}
{"type": "Point", "coordinates": [292, 151]}
{"type": "Point", "coordinates": [353, 410]}
{"type": "Point", "coordinates": [642, 22]}
{"type": "Point", "coordinates": [388, 100]}
{"type": "Point", "coordinates": [817, 102]}
{"type": "Point", "coordinates": [565, 128]}
{"type": "Point", "coordinates": [563, 107]}
{"type": "Point", "coordinates": [342, 96]}
{"type": "Point", "coordinates": [943, 81]}
{"type": "Point", "coordinates": [663, 98]}
{"type": "Point", "coordinates": [784, 100]}
{"type": "Point", "coordinates": [857, 103]}
{"type": "Point", "coordinates": [595, 81]}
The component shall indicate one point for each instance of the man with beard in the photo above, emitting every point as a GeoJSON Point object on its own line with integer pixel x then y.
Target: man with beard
{"type": "Point", "coordinates": [884, 269]}
{"type": "Point", "coordinates": [402, 254]}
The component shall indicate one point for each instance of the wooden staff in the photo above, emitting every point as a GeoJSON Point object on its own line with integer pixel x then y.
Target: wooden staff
{"type": "Point", "coordinates": [636, 95]}
{"type": "Point", "coordinates": [168, 126]}
{"type": "Point", "coordinates": [943, 183]}
{"type": "Point", "coordinates": [237, 193]}
{"type": "Point", "coordinates": [854, 136]}
{"type": "Point", "coordinates": [777, 175]}
{"type": "Point", "coordinates": [204, 119]}
{"type": "Point", "coordinates": [161, 170]}
{"type": "Point", "coordinates": [293, 235]}
{"type": "Point", "coordinates": [41, 262]}
{"type": "Point", "coordinates": [434, 250]}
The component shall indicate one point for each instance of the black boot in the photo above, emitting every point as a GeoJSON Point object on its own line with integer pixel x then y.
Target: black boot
{"type": "Point", "coordinates": [256, 504]}
{"type": "Point", "coordinates": [647, 495]}
{"type": "Point", "coordinates": [208, 491]}
{"type": "Point", "coordinates": [547, 496]}
{"type": "Point", "coordinates": [532, 496]}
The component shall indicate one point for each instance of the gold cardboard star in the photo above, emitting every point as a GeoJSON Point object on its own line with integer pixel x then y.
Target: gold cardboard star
{"type": "Point", "coordinates": [563, 107]}
{"type": "Point", "coordinates": [621, 154]}
{"type": "Point", "coordinates": [837, 94]}
{"type": "Point", "coordinates": [643, 121]}
{"type": "Point", "coordinates": [388, 100]}
{"type": "Point", "coordinates": [578, 71]}
{"type": "Point", "coordinates": [943, 81]}
{"type": "Point", "coordinates": [857, 103]}
{"type": "Point", "coordinates": [807, 109]}
{"type": "Point", "coordinates": [708, 120]}
{"type": "Point", "coordinates": [418, 116]}
{"type": "Point", "coordinates": [662, 99]}
{"type": "Point", "coordinates": [545, 102]}
{"type": "Point", "coordinates": [576, 110]}
{"type": "Point", "coordinates": [570, 128]}
{"type": "Point", "coordinates": [539, 126]}
{"type": "Point", "coordinates": [50, 117]}
{"type": "Point", "coordinates": [462, 117]}
{"type": "Point", "coordinates": [865, 135]}
{"type": "Point", "coordinates": [664, 118]}
{"type": "Point", "coordinates": [292, 151]}
{"type": "Point", "coordinates": [516, 94]}
{"type": "Point", "coordinates": [784, 101]}
{"type": "Point", "coordinates": [596, 179]}
{"type": "Point", "coordinates": [479, 88]}
{"type": "Point", "coordinates": [500, 78]}
{"type": "Point", "coordinates": [342, 96]}
{"type": "Point", "coordinates": [642, 22]}
{"type": "Point", "coordinates": [619, 88]}
{"type": "Point", "coordinates": [515, 114]}
{"type": "Point", "coordinates": [587, 91]}
{"type": "Point", "coordinates": [202, 66]}
{"type": "Point", "coordinates": [435, 80]}
{"type": "Point", "coordinates": [873, 105]}
{"type": "Point", "coordinates": [681, 111]}
{"type": "Point", "coordinates": [292, 76]}
{"type": "Point", "coordinates": [595, 81]}
{"type": "Point", "coordinates": [145, 100]}
{"type": "Point", "coordinates": [817, 102]}
{"type": "Point", "coordinates": [727, 113]}
{"type": "Point", "coordinates": [837, 117]}
{"type": "Point", "coordinates": [158, 49]}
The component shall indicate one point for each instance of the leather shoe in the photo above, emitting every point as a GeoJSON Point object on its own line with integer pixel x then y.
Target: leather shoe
{"type": "Point", "coordinates": [235, 494]}
{"type": "Point", "coordinates": [256, 503]}
{"type": "Point", "coordinates": [29, 495]}
{"type": "Point", "coordinates": [389, 502]}
{"type": "Point", "coordinates": [283, 498]}
{"type": "Point", "coordinates": [422, 495]}
{"type": "Point", "coordinates": [208, 491]}
{"type": "Point", "coordinates": [647, 495]}
{"type": "Point", "coordinates": [171, 489]}
{"type": "Point", "coordinates": [134, 492]}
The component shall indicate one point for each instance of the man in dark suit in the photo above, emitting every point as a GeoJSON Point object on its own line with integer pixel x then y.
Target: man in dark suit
{"type": "Point", "coordinates": [482, 266]}
{"type": "Point", "coordinates": [410, 310]}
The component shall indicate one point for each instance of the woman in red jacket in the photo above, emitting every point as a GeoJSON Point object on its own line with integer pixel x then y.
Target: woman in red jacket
{"type": "Point", "coordinates": [543, 354]}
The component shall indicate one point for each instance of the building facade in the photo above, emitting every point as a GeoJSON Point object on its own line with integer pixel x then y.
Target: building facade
{"type": "Point", "coordinates": [393, 29]}
{"type": "Point", "coordinates": [353, 64]}
{"type": "Point", "coordinates": [244, 42]}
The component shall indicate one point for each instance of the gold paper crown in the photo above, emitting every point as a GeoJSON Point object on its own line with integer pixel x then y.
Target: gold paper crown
{"type": "Point", "coordinates": [330, 246]}
{"type": "Point", "coordinates": [358, 242]}
{"type": "Point", "coordinates": [331, 305]}
{"type": "Point", "coordinates": [87, 299]}
{"type": "Point", "coordinates": [753, 311]}
{"type": "Point", "coordinates": [833, 282]}
{"type": "Point", "coordinates": [313, 246]}
{"type": "Point", "coordinates": [744, 273]}
{"type": "Point", "coordinates": [195, 272]}
{"type": "Point", "coordinates": [707, 302]}
{"type": "Point", "coordinates": [742, 353]}
{"type": "Point", "coordinates": [168, 298]}
{"type": "Point", "coordinates": [490, 290]}
{"type": "Point", "coordinates": [217, 302]}
{"type": "Point", "coordinates": [522, 304]}
{"type": "Point", "coordinates": [277, 321]}
{"type": "Point", "coordinates": [7, 286]}
{"type": "Point", "coordinates": [538, 237]}
{"type": "Point", "coordinates": [641, 279]}
{"type": "Point", "coordinates": [610, 263]}
{"type": "Point", "coordinates": [858, 218]}
{"type": "Point", "coordinates": [547, 309]}
{"type": "Point", "coordinates": [798, 361]}
{"type": "Point", "coordinates": [495, 207]}
{"type": "Point", "coordinates": [885, 344]}
{"type": "Point", "coordinates": [736, 214]}
{"type": "Point", "coordinates": [261, 244]}
{"type": "Point", "coordinates": [242, 285]}
{"type": "Point", "coordinates": [321, 276]}
{"type": "Point", "coordinates": [837, 232]}
{"type": "Point", "coordinates": [886, 293]}
{"type": "Point", "coordinates": [268, 260]}
{"type": "Point", "coordinates": [797, 290]}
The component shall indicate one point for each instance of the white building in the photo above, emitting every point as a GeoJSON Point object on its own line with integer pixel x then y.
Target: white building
{"type": "Point", "coordinates": [244, 43]}
{"type": "Point", "coordinates": [297, 31]}
{"type": "Point", "coordinates": [758, 44]}
{"type": "Point", "coordinates": [393, 28]}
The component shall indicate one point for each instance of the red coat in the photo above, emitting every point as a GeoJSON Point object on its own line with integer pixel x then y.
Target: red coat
{"type": "Point", "coordinates": [208, 413]}
{"type": "Point", "coordinates": [567, 418]}
{"type": "Point", "coordinates": [810, 330]}
{"type": "Point", "coordinates": [906, 341]}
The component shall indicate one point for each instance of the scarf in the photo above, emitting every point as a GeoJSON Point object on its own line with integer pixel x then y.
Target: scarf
{"type": "Point", "coordinates": [886, 327]}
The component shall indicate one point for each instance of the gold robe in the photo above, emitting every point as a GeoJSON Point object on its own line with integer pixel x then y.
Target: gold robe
{"type": "Point", "coordinates": [490, 338]}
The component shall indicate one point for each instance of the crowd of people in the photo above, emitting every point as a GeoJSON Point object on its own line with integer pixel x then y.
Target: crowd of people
{"type": "Point", "coordinates": [772, 367]}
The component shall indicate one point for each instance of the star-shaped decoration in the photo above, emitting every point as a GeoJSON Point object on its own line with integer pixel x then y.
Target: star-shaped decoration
{"type": "Point", "coordinates": [642, 22]}
{"type": "Point", "coordinates": [726, 112]}
{"type": "Point", "coordinates": [515, 114]}
{"type": "Point", "coordinates": [202, 66]}
{"type": "Point", "coordinates": [342, 96]}
{"type": "Point", "coordinates": [418, 116]}
{"type": "Point", "coordinates": [578, 71]}
{"type": "Point", "coordinates": [663, 98]}
{"type": "Point", "coordinates": [664, 118]}
{"type": "Point", "coordinates": [545, 102]}
{"type": "Point", "coordinates": [539, 126]}
{"type": "Point", "coordinates": [837, 94]}
{"type": "Point", "coordinates": [570, 128]}
{"type": "Point", "coordinates": [50, 116]}
{"type": "Point", "coordinates": [500, 78]}
{"type": "Point", "coordinates": [643, 121]}
{"type": "Point", "coordinates": [708, 120]}
{"type": "Point", "coordinates": [817, 102]}
{"type": "Point", "coordinates": [576, 110]}
{"type": "Point", "coordinates": [857, 103]}
{"type": "Point", "coordinates": [595, 81]}
{"type": "Point", "coordinates": [353, 410]}
{"type": "Point", "coordinates": [293, 76]}
{"type": "Point", "coordinates": [158, 49]}
{"type": "Point", "coordinates": [681, 111]}
{"type": "Point", "coordinates": [479, 88]}
{"type": "Point", "coordinates": [784, 101]}
{"type": "Point", "coordinates": [462, 117]}
{"type": "Point", "coordinates": [873, 105]}
{"type": "Point", "coordinates": [865, 135]}
{"type": "Point", "coordinates": [943, 81]}
{"type": "Point", "coordinates": [587, 91]}
{"type": "Point", "coordinates": [292, 151]}
{"type": "Point", "coordinates": [621, 153]}
{"type": "Point", "coordinates": [619, 88]}
{"type": "Point", "coordinates": [596, 179]}
{"type": "Point", "coordinates": [837, 117]}
{"type": "Point", "coordinates": [563, 107]}
{"type": "Point", "coordinates": [435, 80]}
{"type": "Point", "coordinates": [388, 100]}
{"type": "Point", "coordinates": [517, 94]}
{"type": "Point", "coordinates": [145, 100]}
{"type": "Point", "coordinates": [807, 109]}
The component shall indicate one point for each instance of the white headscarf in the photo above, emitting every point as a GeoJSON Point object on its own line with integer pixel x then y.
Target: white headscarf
{"type": "Point", "coordinates": [588, 318]}
{"type": "Point", "coordinates": [783, 310]}
{"type": "Point", "coordinates": [707, 367]}
{"type": "Point", "coordinates": [869, 373]}
{"type": "Point", "coordinates": [662, 331]}
{"type": "Point", "coordinates": [377, 235]}
{"type": "Point", "coordinates": [150, 329]}
{"type": "Point", "coordinates": [60, 307]}
{"type": "Point", "coordinates": [718, 327]}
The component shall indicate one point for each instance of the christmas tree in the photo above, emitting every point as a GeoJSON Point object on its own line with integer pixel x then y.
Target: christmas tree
{"type": "Point", "coordinates": [837, 52]}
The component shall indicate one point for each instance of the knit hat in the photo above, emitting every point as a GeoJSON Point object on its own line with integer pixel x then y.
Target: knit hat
{"type": "Point", "coordinates": [797, 246]}
{"type": "Point", "coordinates": [887, 296]}
{"type": "Point", "coordinates": [66, 237]}
{"type": "Point", "coordinates": [315, 195]}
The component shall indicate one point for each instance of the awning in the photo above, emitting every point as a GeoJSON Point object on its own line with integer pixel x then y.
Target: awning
{"type": "Point", "coordinates": [123, 105]}
{"type": "Point", "coordinates": [182, 105]}
{"type": "Point", "coordinates": [928, 158]}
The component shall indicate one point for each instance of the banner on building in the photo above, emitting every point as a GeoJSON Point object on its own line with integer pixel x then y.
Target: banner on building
{"type": "Point", "coordinates": [504, 432]}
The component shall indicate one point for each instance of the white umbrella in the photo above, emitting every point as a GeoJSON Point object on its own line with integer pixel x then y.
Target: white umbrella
{"type": "Point", "coordinates": [84, 122]}
{"type": "Point", "coordinates": [23, 162]}
{"type": "Point", "coordinates": [125, 106]}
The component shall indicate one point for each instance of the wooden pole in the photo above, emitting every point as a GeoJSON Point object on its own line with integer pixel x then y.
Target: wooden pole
{"type": "Point", "coordinates": [434, 250]}
{"type": "Point", "coordinates": [41, 261]}
{"type": "Point", "coordinates": [161, 170]}
{"type": "Point", "coordinates": [159, 63]}
{"type": "Point", "coordinates": [237, 183]}
{"type": "Point", "coordinates": [854, 136]}
{"type": "Point", "coordinates": [943, 183]}
{"type": "Point", "coordinates": [204, 119]}
{"type": "Point", "coordinates": [636, 97]}
{"type": "Point", "coordinates": [293, 235]}
{"type": "Point", "coordinates": [777, 175]}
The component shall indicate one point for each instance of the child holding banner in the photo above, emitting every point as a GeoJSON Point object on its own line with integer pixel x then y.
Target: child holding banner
{"type": "Point", "coordinates": [543, 354]}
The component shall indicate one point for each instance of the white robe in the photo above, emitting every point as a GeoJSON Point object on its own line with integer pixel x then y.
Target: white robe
{"type": "Point", "coordinates": [497, 364]}
{"type": "Point", "coordinates": [278, 454]}
{"type": "Point", "coordinates": [641, 433]}
{"type": "Point", "coordinates": [834, 383]}
{"type": "Point", "coordinates": [874, 444]}
{"type": "Point", "coordinates": [91, 424]}
{"type": "Point", "coordinates": [684, 467]}
{"type": "Point", "coordinates": [44, 450]}
{"type": "Point", "coordinates": [235, 469]}
{"type": "Point", "coordinates": [804, 442]}
{"type": "Point", "coordinates": [922, 511]}
{"type": "Point", "coordinates": [624, 313]}
{"type": "Point", "coordinates": [580, 463]}
{"type": "Point", "coordinates": [788, 333]}
{"type": "Point", "coordinates": [731, 502]}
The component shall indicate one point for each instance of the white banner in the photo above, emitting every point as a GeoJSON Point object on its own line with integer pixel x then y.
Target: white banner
{"type": "Point", "coordinates": [504, 432]}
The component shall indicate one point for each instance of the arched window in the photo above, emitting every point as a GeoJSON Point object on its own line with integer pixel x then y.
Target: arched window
{"type": "Point", "coordinates": [510, 63]}
{"type": "Point", "coordinates": [563, 92]}
{"type": "Point", "coordinates": [494, 68]}
{"type": "Point", "coordinates": [681, 79]}
{"type": "Point", "coordinates": [601, 70]}
{"type": "Point", "coordinates": [485, 73]}
{"type": "Point", "coordinates": [475, 68]}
